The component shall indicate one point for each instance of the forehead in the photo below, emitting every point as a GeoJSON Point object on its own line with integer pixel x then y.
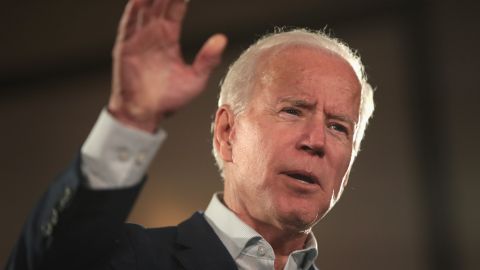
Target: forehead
{"type": "Point", "coordinates": [311, 72]}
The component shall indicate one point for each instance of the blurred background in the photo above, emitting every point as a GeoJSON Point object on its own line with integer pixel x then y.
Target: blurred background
{"type": "Point", "coordinates": [412, 195]}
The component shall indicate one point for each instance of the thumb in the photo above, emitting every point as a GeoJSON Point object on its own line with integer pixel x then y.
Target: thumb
{"type": "Point", "coordinates": [210, 54]}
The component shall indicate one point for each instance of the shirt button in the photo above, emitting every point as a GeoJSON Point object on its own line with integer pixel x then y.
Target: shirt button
{"type": "Point", "coordinates": [261, 251]}
{"type": "Point", "coordinates": [123, 154]}
{"type": "Point", "coordinates": [140, 159]}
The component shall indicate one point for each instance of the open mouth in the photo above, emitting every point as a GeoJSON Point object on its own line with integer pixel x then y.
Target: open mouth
{"type": "Point", "coordinates": [306, 178]}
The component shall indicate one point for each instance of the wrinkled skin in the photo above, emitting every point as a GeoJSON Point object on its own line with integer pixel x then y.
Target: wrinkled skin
{"type": "Point", "coordinates": [300, 120]}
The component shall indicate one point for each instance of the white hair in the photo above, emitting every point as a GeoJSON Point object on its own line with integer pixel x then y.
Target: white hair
{"type": "Point", "coordinates": [237, 85]}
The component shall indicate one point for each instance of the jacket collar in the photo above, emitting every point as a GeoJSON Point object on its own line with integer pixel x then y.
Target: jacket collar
{"type": "Point", "coordinates": [200, 247]}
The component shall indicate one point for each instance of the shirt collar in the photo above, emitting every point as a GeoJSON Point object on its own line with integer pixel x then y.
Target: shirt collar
{"type": "Point", "coordinates": [236, 235]}
{"type": "Point", "coordinates": [232, 231]}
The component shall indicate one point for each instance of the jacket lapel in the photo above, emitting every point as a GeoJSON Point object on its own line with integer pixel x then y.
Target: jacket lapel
{"type": "Point", "coordinates": [200, 247]}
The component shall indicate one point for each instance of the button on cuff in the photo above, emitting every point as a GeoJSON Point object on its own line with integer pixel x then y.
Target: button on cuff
{"type": "Point", "coordinates": [261, 251]}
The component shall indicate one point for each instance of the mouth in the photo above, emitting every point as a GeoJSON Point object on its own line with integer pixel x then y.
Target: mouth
{"type": "Point", "coordinates": [304, 177]}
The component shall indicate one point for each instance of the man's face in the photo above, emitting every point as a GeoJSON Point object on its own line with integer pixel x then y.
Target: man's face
{"type": "Point", "coordinates": [291, 148]}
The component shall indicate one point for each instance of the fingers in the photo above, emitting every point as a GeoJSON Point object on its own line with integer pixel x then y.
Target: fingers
{"type": "Point", "coordinates": [159, 7]}
{"type": "Point", "coordinates": [129, 21]}
{"type": "Point", "coordinates": [175, 10]}
{"type": "Point", "coordinates": [139, 13]}
{"type": "Point", "coordinates": [149, 12]}
{"type": "Point", "coordinates": [171, 10]}
{"type": "Point", "coordinates": [210, 54]}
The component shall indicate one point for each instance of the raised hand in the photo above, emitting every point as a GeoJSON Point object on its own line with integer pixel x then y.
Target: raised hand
{"type": "Point", "coordinates": [150, 77]}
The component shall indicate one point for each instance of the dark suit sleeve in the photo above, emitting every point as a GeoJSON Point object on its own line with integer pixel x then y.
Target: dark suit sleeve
{"type": "Point", "coordinates": [72, 226]}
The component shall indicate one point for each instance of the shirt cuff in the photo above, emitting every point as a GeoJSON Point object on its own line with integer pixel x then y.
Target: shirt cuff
{"type": "Point", "coordinates": [117, 156]}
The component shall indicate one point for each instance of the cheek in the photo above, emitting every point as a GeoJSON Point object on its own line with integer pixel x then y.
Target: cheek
{"type": "Point", "coordinates": [340, 157]}
{"type": "Point", "coordinates": [247, 140]}
{"type": "Point", "coordinates": [255, 149]}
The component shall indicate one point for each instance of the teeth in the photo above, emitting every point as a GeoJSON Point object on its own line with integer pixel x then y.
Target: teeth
{"type": "Point", "coordinates": [301, 177]}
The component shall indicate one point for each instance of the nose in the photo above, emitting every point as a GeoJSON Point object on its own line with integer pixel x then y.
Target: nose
{"type": "Point", "coordinates": [313, 140]}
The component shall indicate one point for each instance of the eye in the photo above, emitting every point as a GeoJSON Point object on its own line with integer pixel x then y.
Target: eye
{"type": "Point", "coordinates": [292, 111]}
{"type": "Point", "coordinates": [338, 127]}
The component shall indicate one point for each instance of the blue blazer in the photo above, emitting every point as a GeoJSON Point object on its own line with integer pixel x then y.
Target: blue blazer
{"type": "Point", "coordinates": [73, 227]}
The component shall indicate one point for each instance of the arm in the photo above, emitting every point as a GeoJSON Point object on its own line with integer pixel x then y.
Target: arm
{"type": "Point", "coordinates": [150, 81]}
{"type": "Point", "coordinates": [72, 224]}
{"type": "Point", "coordinates": [83, 210]}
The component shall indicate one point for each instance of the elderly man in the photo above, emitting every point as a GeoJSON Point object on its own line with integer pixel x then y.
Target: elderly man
{"type": "Point", "coordinates": [292, 112]}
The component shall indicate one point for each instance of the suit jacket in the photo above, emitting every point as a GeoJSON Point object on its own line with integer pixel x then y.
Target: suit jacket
{"type": "Point", "coordinates": [73, 227]}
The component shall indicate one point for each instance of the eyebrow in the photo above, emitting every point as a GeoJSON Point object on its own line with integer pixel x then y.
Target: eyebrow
{"type": "Point", "coordinates": [302, 103]}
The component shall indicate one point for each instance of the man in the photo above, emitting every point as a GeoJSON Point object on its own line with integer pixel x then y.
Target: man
{"type": "Point", "coordinates": [292, 112]}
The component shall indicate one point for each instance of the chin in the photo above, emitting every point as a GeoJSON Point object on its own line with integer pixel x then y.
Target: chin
{"type": "Point", "coordinates": [297, 224]}
{"type": "Point", "coordinates": [299, 213]}
{"type": "Point", "coordinates": [300, 221]}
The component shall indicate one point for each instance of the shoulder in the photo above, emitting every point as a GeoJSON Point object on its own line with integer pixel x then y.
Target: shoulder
{"type": "Point", "coordinates": [140, 236]}
{"type": "Point", "coordinates": [142, 248]}
{"type": "Point", "coordinates": [159, 243]}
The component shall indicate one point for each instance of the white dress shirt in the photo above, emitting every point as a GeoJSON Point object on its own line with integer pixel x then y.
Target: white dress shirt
{"type": "Point", "coordinates": [247, 247]}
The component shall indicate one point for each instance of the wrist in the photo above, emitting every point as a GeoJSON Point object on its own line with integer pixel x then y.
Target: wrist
{"type": "Point", "coordinates": [135, 118]}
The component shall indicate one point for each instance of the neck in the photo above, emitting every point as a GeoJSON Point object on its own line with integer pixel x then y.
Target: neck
{"type": "Point", "coordinates": [282, 242]}
{"type": "Point", "coordinates": [283, 239]}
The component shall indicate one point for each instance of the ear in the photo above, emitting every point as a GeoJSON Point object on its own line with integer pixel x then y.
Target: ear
{"type": "Point", "coordinates": [223, 132]}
